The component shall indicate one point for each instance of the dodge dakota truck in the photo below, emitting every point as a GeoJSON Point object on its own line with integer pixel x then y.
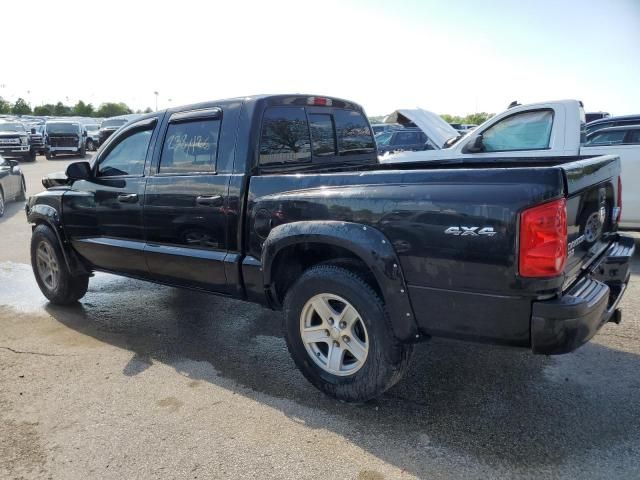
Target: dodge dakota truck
{"type": "Point", "coordinates": [547, 129]}
{"type": "Point", "coordinates": [281, 200]}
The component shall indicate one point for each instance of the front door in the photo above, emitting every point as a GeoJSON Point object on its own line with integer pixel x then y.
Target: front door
{"type": "Point", "coordinates": [186, 202]}
{"type": "Point", "coordinates": [103, 215]}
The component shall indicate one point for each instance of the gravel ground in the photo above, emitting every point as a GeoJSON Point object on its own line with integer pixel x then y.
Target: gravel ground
{"type": "Point", "coordinates": [145, 381]}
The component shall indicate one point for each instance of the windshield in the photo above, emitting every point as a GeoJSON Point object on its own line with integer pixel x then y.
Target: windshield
{"type": "Point", "coordinates": [62, 127]}
{"type": "Point", "coordinates": [92, 126]}
{"type": "Point", "coordinates": [384, 138]}
{"type": "Point", "coordinates": [113, 123]}
{"type": "Point", "coordinates": [12, 127]}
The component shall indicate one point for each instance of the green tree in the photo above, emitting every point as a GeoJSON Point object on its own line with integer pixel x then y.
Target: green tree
{"type": "Point", "coordinates": [21, 107]}
{"type": "Point", "coordinates": [5, 107]}
{"type": "Point", "coordinates": [61, 110]}
{"type": "Point", "coordinates": [111, 109]}
{"type": "Point", "coordinates": [82, 109]}
{"type": "Point", "coordinates": [147, 110]}
{"type": "Point", "coordinates": [43, 110]}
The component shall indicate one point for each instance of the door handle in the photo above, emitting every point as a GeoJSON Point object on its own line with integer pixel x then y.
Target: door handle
{"type": "Point", "coordinates": [128, 197]}
{"type": "Point", "coordinates": [209, 200]}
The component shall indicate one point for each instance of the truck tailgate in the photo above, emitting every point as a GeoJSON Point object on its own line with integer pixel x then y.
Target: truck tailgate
{"type": "Point", "coordinates": [592, 210]}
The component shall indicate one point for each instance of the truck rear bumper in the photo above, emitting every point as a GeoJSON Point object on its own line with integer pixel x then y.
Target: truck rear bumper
{"type": "Point", "coordinates": [563, 324]}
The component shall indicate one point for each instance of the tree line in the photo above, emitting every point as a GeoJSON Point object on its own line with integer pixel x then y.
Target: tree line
{"type": "Point", "coordinates": [472, 118]}
{"type": "Point", "coordinates": [80, 109]}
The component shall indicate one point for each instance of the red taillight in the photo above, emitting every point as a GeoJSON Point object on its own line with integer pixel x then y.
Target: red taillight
{"type": "Point", "coordinates": [322, 101]}
{"type": "Point", "coordinates": [543, 239]}
{"type": "Point", "coordinates": [619, 216]}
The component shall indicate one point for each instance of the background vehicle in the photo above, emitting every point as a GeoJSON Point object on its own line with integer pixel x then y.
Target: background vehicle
{"type": "Point", "coordinates": [613, 122]}
{"type": "Point", "coordinates": [543, 130]}
{"type": "Point", "coordinates": [401, 140]}
{"type": "Point", "coordinates": [280, 200]}
{"type": "Point", "coordinates": [14, 141]}
{"type": "Point", "coordinates": [110, 125]}
{"type": "Point", "coordinates": [64, 137]}
{"type": "Point", "coordinates": [12, 184]}
{"type": "Point", "coordinates": [379, 128]}
{"type": "Point", "coordinates": [93, 136]}
{"type": "Point", "coordinates": [36, 138]}
{"type": "Point", "coordinates": [629, 135]}
{"type": "Point", "coordinates": [591, 116]}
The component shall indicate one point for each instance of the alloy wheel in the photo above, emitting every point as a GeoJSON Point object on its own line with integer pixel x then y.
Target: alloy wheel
{"type": "Point", "coordinates": [47, 265]}
{"type": "Point", "coordinates": [334, 334]}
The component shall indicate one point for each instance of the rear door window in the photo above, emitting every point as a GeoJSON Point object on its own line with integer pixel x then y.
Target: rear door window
{"type": "Point", "coordinates": [522, 131]}
{"type": "Point", "coordinates": [285, 136]}
{"type": "Point", "coordinates": [607, 138]}
{"type": "Point", "coordinates": [190, 147]}
{"type": "Point", "coordinates": [407, 138]}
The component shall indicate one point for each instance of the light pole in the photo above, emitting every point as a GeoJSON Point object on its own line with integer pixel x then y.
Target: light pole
{"type": "Point", "coordinates": [156, 94]}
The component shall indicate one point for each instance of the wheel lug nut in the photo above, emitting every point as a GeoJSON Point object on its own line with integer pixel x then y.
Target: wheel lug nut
{"type": "Point", "coordinates": [346, 339]}
{"type": "Point", "coordinates": [331, 321]}
{"type": "Point", "coordinates": [327, 333]}
{"type": "Point", "coordinates": [335, 343]}
{"type": "Point", "coordinates": [343, 324]}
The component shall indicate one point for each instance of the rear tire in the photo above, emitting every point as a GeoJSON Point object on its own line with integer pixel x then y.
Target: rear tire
{"type": "Point", "coordinates": [370, 359]}
{"type": "Point", "coordinates": [50, 269]}
{"type": "Point", "coordinates": [1, 203]}
{"type": "Point", "coordinates": [90, 145]}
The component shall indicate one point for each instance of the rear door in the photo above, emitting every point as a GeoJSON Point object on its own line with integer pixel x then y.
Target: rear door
{"type": "Point", "coordinates": [185, 215]}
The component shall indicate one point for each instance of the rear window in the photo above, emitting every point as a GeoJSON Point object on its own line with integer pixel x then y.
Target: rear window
{"type": "Point", "coordinates": [295, 134]}
{"type": "Point", "coordinates": [607, 138]}
{"type": "Point", "coordinates": [285, 136]}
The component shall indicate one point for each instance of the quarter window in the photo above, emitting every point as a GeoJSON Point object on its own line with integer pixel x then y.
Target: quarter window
{"type": "Point", "coordinates": [634, 137]}
{"type": "Point", "coordinates": [285, 136]}
{"type": "Point", "coordinates": [190, 147]}
{"type": "Point", "coordinates": [522, 131]}
{"type": "Point", "coordinates": [127, 156]}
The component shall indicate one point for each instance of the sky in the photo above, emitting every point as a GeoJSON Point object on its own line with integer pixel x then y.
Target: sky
{"type": "Point", "coordinates": [453, 57]}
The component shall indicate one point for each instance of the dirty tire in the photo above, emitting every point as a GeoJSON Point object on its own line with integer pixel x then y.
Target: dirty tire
{"type": "Point", "coordinates": [387, 359]}
{"type": "Point", "coordinates": [1, 203]}
{"type": "Point", "coordinates": [68, 289]}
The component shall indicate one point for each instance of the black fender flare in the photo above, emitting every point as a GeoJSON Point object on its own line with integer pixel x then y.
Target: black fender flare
{"type": "Point", "coordinates": [368, 244]}
{"type": "Point", "coordinates": [39, 214]}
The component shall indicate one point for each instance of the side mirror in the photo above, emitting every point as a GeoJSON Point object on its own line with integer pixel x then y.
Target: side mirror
{"type": "Point", "coordinates": [79, 171]}
{"type": "Point", "coordinates": [474, 146]}
{"type": "Point", "coordinates": [13, 164]}
{"type": "Point", "coordinates": [33, 130]}
{"type": "Point", "coordinates": [84, 133]}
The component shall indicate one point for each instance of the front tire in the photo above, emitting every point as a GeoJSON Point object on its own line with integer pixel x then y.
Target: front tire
{"type": "Point", "coordinates": [50, 269]}
{"type": "Point", "coordinates": [90, 145]}
{"type": "Point", "coordinates": [338, 333]}
{"type": "Point", "coordinates": [1, 203]}
{"type": "Point", "coordinates": [47, 155]}
{"type": "Point", "coordinates": [22, 194]}
{"type": "Point", "coordinates": [82, 152]}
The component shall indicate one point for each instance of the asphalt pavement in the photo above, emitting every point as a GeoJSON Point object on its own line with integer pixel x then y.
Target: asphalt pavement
{"type": "Point", "coordinates": [144, 381]}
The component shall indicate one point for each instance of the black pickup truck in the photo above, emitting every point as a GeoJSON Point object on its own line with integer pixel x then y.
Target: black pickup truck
{"type": "Point", "coordinates": [281, 200]}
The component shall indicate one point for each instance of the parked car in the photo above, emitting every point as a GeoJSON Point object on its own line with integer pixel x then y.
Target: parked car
{"type": "Point", "coordinates": [379, 128]}
{"type": "Point", "coordinates": [93, 136]}
{"type": "Point", "coordinates": [549, 129]}
{"type": "Point", "coordinates": [110, 125]}
{"type": "Point", "coordinates": [12, 184]}
{"type": "Point", "coordinates": [592, 116]}
{"type": "Point", "coordinates": [36, 138]}
{"type": "Point", "coordinates": [621, 121]}
{"type": "Point", "coordinates": [280, 200]}
{"type": "Point", "coordinates": [14, 141]}
{"type": "Point", "coordinates": [439, 132]}
{"type": "Point", "coordinates": [402, 140]}
{"type": "Point", "coordinates": [64, 137]}
{"type": "Point", "coordinates": [463, 128]}
{"type": "Point", "coordinates": [629, 135]}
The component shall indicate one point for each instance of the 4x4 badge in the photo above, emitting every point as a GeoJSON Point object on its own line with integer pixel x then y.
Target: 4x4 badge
{"type": "Point", "coordinates": [470, 231]}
